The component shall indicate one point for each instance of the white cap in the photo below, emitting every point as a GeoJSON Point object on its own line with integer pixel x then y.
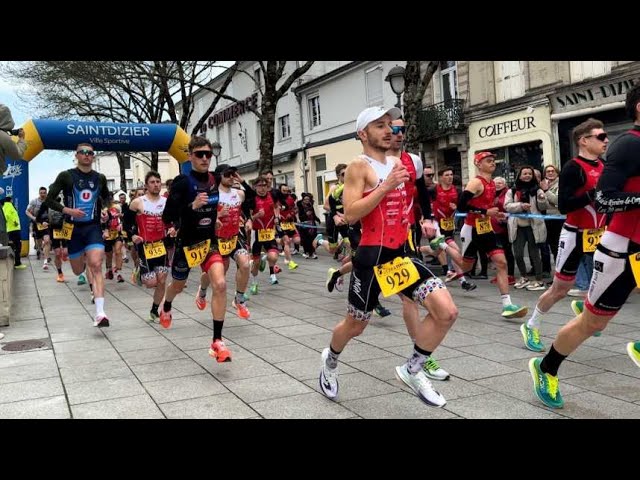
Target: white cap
{"type": "Point", "coordinates": [372, 114]}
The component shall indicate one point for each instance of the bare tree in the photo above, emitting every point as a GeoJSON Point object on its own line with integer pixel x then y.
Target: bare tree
{"type": "Point", "coordinates": [417, 76]}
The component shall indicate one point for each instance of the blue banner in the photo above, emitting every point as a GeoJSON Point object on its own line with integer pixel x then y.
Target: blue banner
{"type": "Point", "coordinates": [15, 183]}
{"type": "Point", "coordinates": [141, 137]}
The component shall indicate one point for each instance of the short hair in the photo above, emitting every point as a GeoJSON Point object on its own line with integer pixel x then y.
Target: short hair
{"type": "Point", "coordinates": [445, 170]}
{"type": "Point", "coordinates": [551, 166]}
{"type": "Point", "coordinates": [500, 179]}
{"type": "Point", "coordinates": [631, 102]}
{"type": "Point", "coordinates": [197, 141]}
{"type": "Point", "coordinates": [340, 166]}
{"type": "Point", "coordinates": [428, 166]}
{"type": "Point", "coordinates": [282, 185]}
{"type": "Point", "coordinates": [260, 179]}
{"type": "Point", "coordinates": [585, 128]}
{"type": "Point", "coordinates": [42, 188]}
{"type": "Point", "coordinates": [84, 145]}
{"type": "Point", "coordinates": [168, 182]}
{"type": "Point", "coordinates": [151, 173]}
{"type": "Point", "coordinates": [266, 172]}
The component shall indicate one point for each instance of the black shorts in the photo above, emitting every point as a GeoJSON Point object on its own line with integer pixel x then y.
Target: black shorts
{"type": "Point", "coordinates": [39, 234]}
{"type": "Point", "coordinates": [240, 248]}
{"type": "Point", "coordinates": [364, 288]}
{"type": "Point", "coordinates": [473, 242]}
{"type": "Point", "coordinates": [158, 264]}
{"type": "Point", "coordinates": [613, 279]}
{"type": "Point", "coordinates": [108, 244]}
{"type": "Point", "coordinates": [569, 253]}
{"type": "Point", "coordinates": [333, 231]}
{"type": "Point", "coordinates": [180, 267]}
{"type": "Point", "coordinates": [256, 246]}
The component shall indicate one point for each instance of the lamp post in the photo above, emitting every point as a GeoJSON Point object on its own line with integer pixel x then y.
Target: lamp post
{"type": "Point", "coordinates": [216, 148]}
{"type": "Point", "coordinates": [395, 77]}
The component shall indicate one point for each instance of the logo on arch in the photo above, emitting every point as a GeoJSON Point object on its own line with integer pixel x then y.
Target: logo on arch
{"type": "Point", "coordinates": [86, 195]}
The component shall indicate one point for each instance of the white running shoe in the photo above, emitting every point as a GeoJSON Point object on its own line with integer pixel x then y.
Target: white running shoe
{"type": "Point", "coordinates": [328, 377]}
{"type": "Point", "coordinates": [420, 384]}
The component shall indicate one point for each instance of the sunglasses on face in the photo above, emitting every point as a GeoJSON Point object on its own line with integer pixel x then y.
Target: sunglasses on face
{"type": "Point", "coordinates": [396, 129]}
{"type": "Point", "coordinates": [601, 136]}
{"type": "Point", "coordinates": [203, 154]}
{"type": "Point", "coordinates": [429, 175]}
{"type": "Point", "coordinates": [91, 153]}
{"type": "Point", "coordinates": [228, 174]}
{"type": "Point", "coordinates": [341, 174]}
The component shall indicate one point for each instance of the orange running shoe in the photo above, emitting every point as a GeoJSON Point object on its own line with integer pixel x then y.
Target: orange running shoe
{"type": "Point", "coordinates": [201, 302]}
{"type": "Point", "coordinates": [219, 351]}
{"type": "Point", "coordinates": [60, 278]}
{"type": "Point", "coordinates": [241, 309]}
{"type": "Point", "coordinates": [165, 317]}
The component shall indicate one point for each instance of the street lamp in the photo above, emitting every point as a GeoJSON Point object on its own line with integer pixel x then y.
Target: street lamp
{"type": "Point", "coordinates": [216, 148]}
{"type": "Point", "coordinates": [395, 77]}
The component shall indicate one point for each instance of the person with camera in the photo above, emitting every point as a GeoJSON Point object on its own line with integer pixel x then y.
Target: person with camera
{"type": "Point", "coordinates": [9, 148]}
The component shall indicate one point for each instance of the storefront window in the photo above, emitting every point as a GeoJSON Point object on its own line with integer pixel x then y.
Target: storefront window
{"type": "Point", "coordinates": [510, 159]}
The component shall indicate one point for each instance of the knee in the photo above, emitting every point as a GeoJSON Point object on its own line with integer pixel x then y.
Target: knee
{"type": "Point", "coordinates": [447, 316]}
{"type": "Point", "coordinates": [219, 286]}
{"type": "Point", "coordinates": [356, 327]}
{"type": "Point", "coordinates": [594, 323]}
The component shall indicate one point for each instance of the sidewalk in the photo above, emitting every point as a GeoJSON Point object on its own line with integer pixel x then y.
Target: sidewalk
{"type": "Point", "coordinates": [134, 369]}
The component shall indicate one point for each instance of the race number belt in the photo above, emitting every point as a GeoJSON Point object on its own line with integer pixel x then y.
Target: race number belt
{"type": "Point", "coordinates": [63, 233]}
{"type": "Point", "coordinates": [40, 226]}
{"type": "Point", "coordinates": [591, 239]}
{"type": "Point", "coordinates": [287, 226]}
{"type": "Point", "coordinates": [266, 234]}
{"type": "Point", "coordinates": [197, 253]}
{"type": "Point", "coordinates": [483, 225]}
{"type": "Point", "coordinates": [225, 247]}
{"type": "Point", "coordinates": [447, 224]}
{"type": "Point", "coordinates": [396, 275]}
{"type": "Point", "coordinates": [154, 250]}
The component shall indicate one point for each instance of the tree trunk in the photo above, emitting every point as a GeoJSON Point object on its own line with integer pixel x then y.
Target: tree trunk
{"type": "Point", "coordinates": [154, 161]}
{"type": "Point", "coordinates": [123, 178]}
{"type": "Point", "coordinates": [267, 131]}
{"type": "Point", "coordinates": [415, 86]}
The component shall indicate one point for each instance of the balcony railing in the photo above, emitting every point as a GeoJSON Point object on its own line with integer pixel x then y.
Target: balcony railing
{"type": "Point", "coordinates": [440, 119]}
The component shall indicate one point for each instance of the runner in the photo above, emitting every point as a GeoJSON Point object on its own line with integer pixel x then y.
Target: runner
{"type": "Point", "coordinates": [85, 192]}
{"type": "Point", "coordinates": [191, 212]}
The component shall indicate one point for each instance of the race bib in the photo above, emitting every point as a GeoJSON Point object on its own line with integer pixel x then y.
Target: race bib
{"type": "Point", "coordinates": [154, 250]}
{"type": "Point", "coordinates": [634, 258]}
{"type": "Point", "coordinates": [112, 235]}
{"type": "Point", "coordinates": [40, 226]}
{"type": "Point", "coordinates": [396, 275]}
{"type": "Point", "coordinates": [447, 224]}
{"type": "Point", "coordinates": [64, 233]}
{"type": "Point", "coordinates": [483, 225]}
{"type": "Point", "coordinates": [225, 247]}
{"type": "Point", "coordinates": [287, 226]}
{"type": "Point", "coordinates": [591, 239]}
{"type": "Point", "coordinates": [197, 253]}
{"type": "Point", "coordinates": [266, 234]}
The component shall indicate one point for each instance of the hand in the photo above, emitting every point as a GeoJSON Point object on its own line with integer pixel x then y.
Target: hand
{"type": "Point", "coordinates": [236, 176]}
{"type": "Point", "coordinates": [338, 220]}
{"type": "Point", "coordinates": [428, 228]}
{"type": "Point", "coordinates": [136, 239]}
{"type": "Point", "coordinates": [218, 224]}
{"type": "Point", "coordinates": [493, 212]}
{"type": "Point", "coordinates": [200, 201]}
{"type": "Point", "coordinates": [396, 177]}
{"type": "Point", "coordinates": [105, 234]}
{"type": "Point", "coordinates": [45, 224]}
{"type": "Point", "coordinates": [501, 216]}
{"type": "Point", "coordinates": [21, 133]}
{"type": "Point", "coordinates": [541, 196]}
{"type": "Point", "coordinates": [75, 212]}
{"type": "Point", "coordinates": [172, 232]}
{"type": "Point", "coordinates": [259, 214]}
{"type": "Point", "coordinates": [544, 184]}
{"type": "Point", "coordinates": [248, 225]}
{"type": "Point", "coordinates": [526, 207]}
{"type": "Point", "coordinates": [453, 206]}
{"type": "Point", "coordinates": [104, 216]}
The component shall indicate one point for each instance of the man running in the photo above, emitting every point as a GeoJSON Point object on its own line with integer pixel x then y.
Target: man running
{"type": "Point", "coordinates": [148, 234]}
{"type": "Point", "coordinates": [43, 245]}
{"type": "Point", "coordinates": [375, 194]}
{"type": "Point", "coordinates": [85, 193]}
{"type": "Point", "coordinates": [583, 227]}
{"type": "Point", "coordinates": [192, 210]}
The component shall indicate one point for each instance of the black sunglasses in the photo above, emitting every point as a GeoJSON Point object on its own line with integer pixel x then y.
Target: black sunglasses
{"type": "Point", "coordinates": [430, 175]}
{"type": "Point", "coordinates": [341, 174]}
{"type": "Point", "coordinates": [203, 153]}
{"type": "Point", "coordinates": [91, 153]}
{"type": "Point", "coordinates": [601, 136]}
{"type": "Point", "coordinates": [228, 174]}
{"type": "Point", "coordinates": [396, 129]}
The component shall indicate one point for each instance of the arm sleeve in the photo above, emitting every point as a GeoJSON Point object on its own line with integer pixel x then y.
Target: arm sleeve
{"type": "Point", "coordinates": [571, 179]}
{"type": "Point", "coordinates": [249, 192]}
{"type": "Point", "coordinates": [463, 204]}
{"type": "Point", "coordinates": [62, 180]}
{"type": "Point", "coordinates": [176, 201]}
{"type": "Point", "coordinates": [622, 164]}
{"type": "Point", "coordinates": [333, 205]}
{"type": "Point", "coordinates": [104, 193]}
{"type": "Point", "coordinates": [424, 198]}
